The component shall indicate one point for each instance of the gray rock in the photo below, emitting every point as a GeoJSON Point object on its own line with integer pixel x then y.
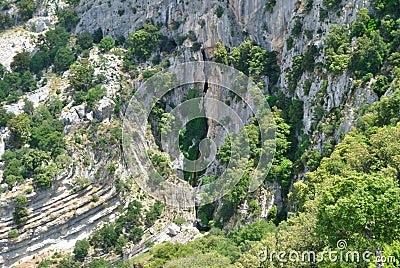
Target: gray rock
{"type": "Point", "coordinates": [74, 115]}
{"type": "Point", "coordinates": [40, 24]}
{"type": "Point", "coordinates": [104, 110]}
{"type": "Point", "coordinates": [174, 229]}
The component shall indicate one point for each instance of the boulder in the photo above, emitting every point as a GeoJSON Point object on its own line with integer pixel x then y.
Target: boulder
{"type": "Point", "coordinates": [74, 115]}
{"type": "Point", "coordinates": [40, 24]}
{"type": "Point", "coordinates": [174, 229]}
{"type": "Point", "coordinates": [104, 110]}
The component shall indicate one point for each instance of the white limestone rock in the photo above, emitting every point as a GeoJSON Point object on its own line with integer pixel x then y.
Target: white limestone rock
{"type": "Point", "coordinates": [104, 110]}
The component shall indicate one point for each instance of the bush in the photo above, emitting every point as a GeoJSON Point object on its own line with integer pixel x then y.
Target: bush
{"type": "Point", "coordinates": [196, 46]}
{"type": "Point", "coordinates": [369, 55]}
{"type": "Point", "coordinates": [219, 12]}
{"type": "Point", "coordinates": [5, 117]}
{"type": "Point", "coordinates": [6, 21]}
{"type": "Point", "coordinates": [39, 61]}
{"type": "Point", "coordinates": [106, 44]}
{"type": "Point", "coordinates": [269, 6]}
{"type": "Point", "coordinates": [331, 4]}
{"type": "Point", "coordinates": [13, 233]}
{"type": "Point", "coordinates": [81, 75]}
{"type": "Point", "coordinates": [143, 42]}
{"type": "Point", "coordinates": [97, 35]}
{"type": "Point", "coordinates": [297, 28]}
{"type": "Point", "coordinates": [308, 5]}
{"type": "Point", "coordinates": [154, 213]}
{"type": "Point", "coordinates": [20, 216]}
{"type": "Point", "coordinates": [179, 221]}
{"type": "Point", "coordinates": [21, 62]}
{"type": "Point", "coordinates": [67, 18]}
{"type": "Point", "coordinates": [26, 9]}
{"type": "Point", "coordinates": [85, 40]}
{"type": "Point", "coordinates": [63, 59]}
{"type": "Point", "coordinates": [95, 94]}
{"type": "Point", "coordinates": [20, 199]}
{"type": "Point", "coordinates": [81, 249]}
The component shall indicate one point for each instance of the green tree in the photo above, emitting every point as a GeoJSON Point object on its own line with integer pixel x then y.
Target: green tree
{"type": "Point", "coordinates": [331, 4]}
{"type": "Point", "coordinates": [20, 216]}
{"type": "Point", "coordinates": [81, 249]}
{"type": "Point", "coordinates": [95, 94]}
{"type": "Point", "coordinates": [21, 61]}
{"type": "Point", "coordinates": [43, 176]}
{"type": "Point", "coordinates": [20, 199]}
{"type": "Point", "coordinates": [101, 263]}
{"type": "Point", "coordinates": [55, 39]}
{"type": "Point", "coordinates": [97, 35]}
{"type": "Point", "coordinates": [219, 11]}
{"type": "Point", "coordinates": [154, 213]}
{"type": "Point", "coordinates": [106, 44]}
{"type": "Point", "coordinates": [144, 41]}
{"type": "Point", "coordinates": [81, 75]}
{"type": "Point", "coordinates": [369, 55]}
{"type": "Point", "coordinates": [2, 71]}
{"type": "Point", "coordinates": [20, 129]}
{"type": "Point", "coordinates": [63, 59]}
{"type": "Point", "coordinates": [220, 54]}
{"type": "Point", "coordinates": [39, 61]}
{"type": "Point", "coordinates": [26, 9]}
{"type": "Point", "coordinates": [67, 18]}
{"type": "Point", "coordinates": [360, 207]}
{"type": "Point", "coordinates": [5, 21]}
{"type": "Point", "coordinates": [5, 117]}
{"type": "Point", "coordinates": [68, 262]}
{"type": "Point", "coordinates": [85, 40]}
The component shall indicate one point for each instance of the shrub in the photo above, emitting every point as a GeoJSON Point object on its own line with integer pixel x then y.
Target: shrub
{"type": "Point", "coordinates": [26, 9]}
{"type": "Point", "coordinates": [85, 40]}
{"type": "Point", "coordinates": [106, 44]}
{"type": "Point", "coordinates": [13, 233]}
{"type": "Point", "coordinates": [219, 11]}
{"type": "Point", "coordinates": [81, 75]}
{"type": "Point", "coordinates": [297, 28]}
{"type": "Point", "coordinates": [39, 61]}
{"type": "Point", "coordinates": [20, 215]}
{"type": "Point", "coordinates": [20, 199]}
{"type": "Point", "coordinates": [81, 249]}
{"type": "Point", "coordinates": [63, 59]}
{"type": "Point", "coordinates": [143, 42]}
{"type": "Point", "coordinates": [179, 221]}
{"type": "Point", "coordinates": [21, 62]}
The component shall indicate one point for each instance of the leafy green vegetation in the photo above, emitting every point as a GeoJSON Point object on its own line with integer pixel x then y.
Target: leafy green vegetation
{"type": "Point", "coordinates": [81, 249]}
{"type": "Point", "coordinates": [63, 59]}
{"type": "Point", "coordinates": [106, 44]}
{"type": "Point", "coordinates": [26, 9]}
{"type": "Point", "coordinates": [45, 135]}
{"type": "Point", "coordinates": [85, 40]}
{"type": "Point", "coordinates": [111, 236]}
{"type": "Point", "coordinates": [142, 43]}
{"type": "Point", "coordinates": [219, 11]}
{"type": "Point", "coordinates": [376, 39]}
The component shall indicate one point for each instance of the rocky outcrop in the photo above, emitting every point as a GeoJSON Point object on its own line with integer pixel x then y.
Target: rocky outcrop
{"type": "Point", "coordinates": [243, 18]}
{"type": "Point", "coordinates": [104, 110]}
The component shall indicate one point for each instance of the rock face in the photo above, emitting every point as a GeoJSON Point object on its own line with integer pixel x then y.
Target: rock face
{"type": "Point", "coordinates": [243, 18]}
{"type": "Point", "coordinates": [104, 110]}
{"type": "Point", "coordinates": [74, 115]}
{"type": "Point", "coordinates": [246, 19]}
